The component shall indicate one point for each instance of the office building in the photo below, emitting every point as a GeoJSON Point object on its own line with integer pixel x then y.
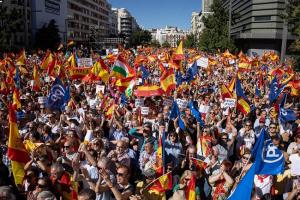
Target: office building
{"type": "Point", "coordinates": [22, 36]}
{"type": "Point", "coordinates": [43, 11]}
{"type": "Point", "coordinates": [170, 35]}
{"type": "Point", "coordinates": [256, 25]}
{"type": "Point", "coordinates": [87, 20]}
{"type": "Point", "coordinates": [126, 22]}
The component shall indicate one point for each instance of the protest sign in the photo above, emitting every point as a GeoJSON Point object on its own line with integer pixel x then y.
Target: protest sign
{"type": "Point", "coordinates": [85, 62]}
{"type": "Point", "coordinates": [295, 165]}
{"type": "Point", "coordinates": [168, 102]}
{"type": "Point", "coordinates": [100, 88]}
{"type": "Point", "coordinates": [139, 102]}
{"type": "Point", "coordinates": [182, 103]}
{"type": "Point", "coordinates": [203, 108]}
{"type": "Point", "coordinates": [202, 62]}
{"type": "Point", "coordinates": [229, 103]}
{"type": "Point", "coordinates": [144, 110]}
{"type": "Point", "coordinates": [42, 100]}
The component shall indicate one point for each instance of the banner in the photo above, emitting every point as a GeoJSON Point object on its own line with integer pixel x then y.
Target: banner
{"type": "Point", "coordinates": [139, 102]}
{"type": "Point", "coordinates": [79, 73]}
{"type": "Point", "coordinates": [85, 62]}
{"type": "Point", "coordinates": [100, 88]}
{"type": "Point", "coordinates": [182, 103]}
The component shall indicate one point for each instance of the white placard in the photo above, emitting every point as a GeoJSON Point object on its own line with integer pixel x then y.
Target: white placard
{"type": "Point", "coordinates": [42, 100]}
{"type": "Point", "coordinates": [229, 103]}
{"type": "Point", "coordinates": [85, 62]}
{"type": "Point", "coordinates": [203, 108]}
{"type": "Point", "coordinates": [100, 88]}
{"type": "Point", "coordinates": [231, 61]}
{"type": "Point", "coordinates": [47, 79]}
{"type": "Point", "coordinates": [139, 102]}
{"type": "Point", "coordinates": [295, 164]}
{"type": "Point", "coordinates": [168, 102]}
{"type": "Point", "coordinates": [182, 103]}
{"type": "Point", "coordinates": [202, 62]}
{"type": "Point", "coordinates": [144, 110]}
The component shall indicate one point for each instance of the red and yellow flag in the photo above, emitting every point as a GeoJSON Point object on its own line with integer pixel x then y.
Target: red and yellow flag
{"type": "Point", "coordinates": [21, 60]}
{"type": "Point", "coordinates": [179, 54]}
{"type": "Point", "coordinates": [225, 93]}
{"type": "Point", "coordinates": [148, 91]}
{"type": "Point", "coordinates": [101, 70]}
{"type": "Point", "coordinates": [167, 81]}
{"type": "Point", "coordinates": [16, 150]}
{"type": "Point", "coordinates": [16, 99]}
{"type": "Point", "coordinates": [48, 61]}
{"type": "Point", "coordinates": [190, 192]}
{"type": "Point", "coordinates": [123, 83]}
{"type": "Point", "coordinates": [36, 79]}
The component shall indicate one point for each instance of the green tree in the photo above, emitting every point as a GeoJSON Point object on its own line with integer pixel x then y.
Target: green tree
{"type": "Point", "coordinates": [215, 33]}
{"type": "Point", "coordinates": [10, 24]}
{"type": "Point", "coordinates": [190, 41]}
{"type": "Point", "coordinates": [292, 15]}
{"type": "Point", "coordinates": [140, 37]}
{"type": "Point", "coordinates": [166, 44]}
{"type": "Point", "coordinates": [154, 43]}
{"type": "Point", "coordinates": [48, 37]}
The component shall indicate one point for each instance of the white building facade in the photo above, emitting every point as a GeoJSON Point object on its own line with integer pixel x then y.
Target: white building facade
{"type": "Point", "coordinates": [170, 34]}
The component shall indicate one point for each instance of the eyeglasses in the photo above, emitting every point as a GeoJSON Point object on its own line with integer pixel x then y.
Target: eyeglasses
{"type": "Point", "coordinates": [245, 157]}
{"type": "Point", "coordinates": [66, 147]}
{"type": "Point", "coordinates": [248, 125]}
{"type": "Point", "coordinates": [272, 126]}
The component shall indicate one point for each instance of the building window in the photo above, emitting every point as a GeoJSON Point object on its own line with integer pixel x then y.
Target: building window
{"type": "Point", "coordinates": [52, 6]}
{"type": "Point", "coordinates": [262, 18]}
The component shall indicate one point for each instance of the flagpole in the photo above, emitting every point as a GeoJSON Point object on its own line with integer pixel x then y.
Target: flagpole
{"type": "Point", "coordinates": [244, 167]}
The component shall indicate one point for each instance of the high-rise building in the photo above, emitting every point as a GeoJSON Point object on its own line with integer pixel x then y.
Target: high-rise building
{"type": "Point", "coordinates": [113, 23]}
{"type": "Point", "coordinates": [43, 11]}
{"type": "Point", "coordinates": [197, 25]}
{"type": "Point", "coordinates": [22, 36]}
{"type": "Point", "coordinates": [87, 20]}
{"type": "Point", "coordinates": [126, 22]}
{"type": "Point", "coordinates": [256, 25]}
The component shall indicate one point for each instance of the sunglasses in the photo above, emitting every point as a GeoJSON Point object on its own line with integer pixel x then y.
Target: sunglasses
{"type": "Point", "coordinates": [187, 179]}
{"type": "Point", "coordinates": [272, 127]}
{"type": "Point", "coordinates": [66, 147]}
{"type": "Point", "coordinates": [172, 135]}
{"type": "Point", "coordinates": [224, 138]}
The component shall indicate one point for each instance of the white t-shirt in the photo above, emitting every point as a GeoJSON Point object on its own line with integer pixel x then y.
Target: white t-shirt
{"type": "Point", "coordinates": [262, 184]}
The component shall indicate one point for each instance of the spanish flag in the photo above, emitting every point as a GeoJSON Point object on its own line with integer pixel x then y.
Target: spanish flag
{"type": "Point", "coordinates": [70, 43]}
{"type": "Point", "coordinates": [110, 111]}
{"type": "Point", "coordinates": [123, 83]}
{"type": "Point", "coordinates": [21, 60]}
{"type": "Point", "coordinates": [167, 81]}
{"type": "Point", "coordinates": [148, 91]}
{"type": "Point", "coordinates": [36, 79]}
{"type": "Point", "coordinates": [179, 55]}
{"type": "Point", "coordinates": [16, 99]}
{"type": "Point", "coordinates": [162, 184]}
{"type": "Point", "coordinates": [48, 61]}
{"type": "Point", "coordinates": [72, 61]}
{"type": "Point", "coordinates": [16, 150]}
{"type": "Point", "coordinates": [295, 87]}
{"type": "Point", "coordinates": [190, 191]}
{"type": "Point", "coordinates": [101, 70]}
{"type": "Point", "coordinates": [242, 101]}
{"type": "Point", "coordinates": [225, 93]}
{"type": "Point", "coordinates": [231, 85]}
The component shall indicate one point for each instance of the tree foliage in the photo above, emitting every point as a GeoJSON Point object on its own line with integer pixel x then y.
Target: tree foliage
{"type": "Point", "coordinates": [48, 37]}
{"type": "Point", "coordinates": [215, 33]}
{"type": "Point", "coordinates": [155, 43]}
{"type": "Point", "coordinates": [10, 24]}
{"type": "Point", "coordinates": [140, 37]}
{"type": "Point", "coordinates": [190, 41]}
{"type": "Point", "coordinates": [292, 15]}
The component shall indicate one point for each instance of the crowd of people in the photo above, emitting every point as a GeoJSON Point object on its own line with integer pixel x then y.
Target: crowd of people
{"type": "Point", "coordinates": [87, 150]}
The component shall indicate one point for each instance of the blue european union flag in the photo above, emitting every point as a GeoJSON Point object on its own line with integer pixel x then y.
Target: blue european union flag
{"type": "Point", "coordinates": [175, 112]}
{"type": "Point", "coordinates": [268, 158]}
{"type": "Point", "coordinates": [178, 77]}
{"type": "Point", "coordinates": [196, 113]}
{"type": "Point", "coordinates": [58, 97]}
{"type": "Point", "coordinates": [244, 188]}
{"type": "Point", "coordinates": [275, 90]}
{"type": "Point", "coordinates": [257, 91]}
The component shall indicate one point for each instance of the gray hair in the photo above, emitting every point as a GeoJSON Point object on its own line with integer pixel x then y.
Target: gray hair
{"type": "Point", "coordinates": [7, 193]}
{"type": "Point", "coordinates": [46, 195]}
{"type": "Point", "coordinates": [58, 167]}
